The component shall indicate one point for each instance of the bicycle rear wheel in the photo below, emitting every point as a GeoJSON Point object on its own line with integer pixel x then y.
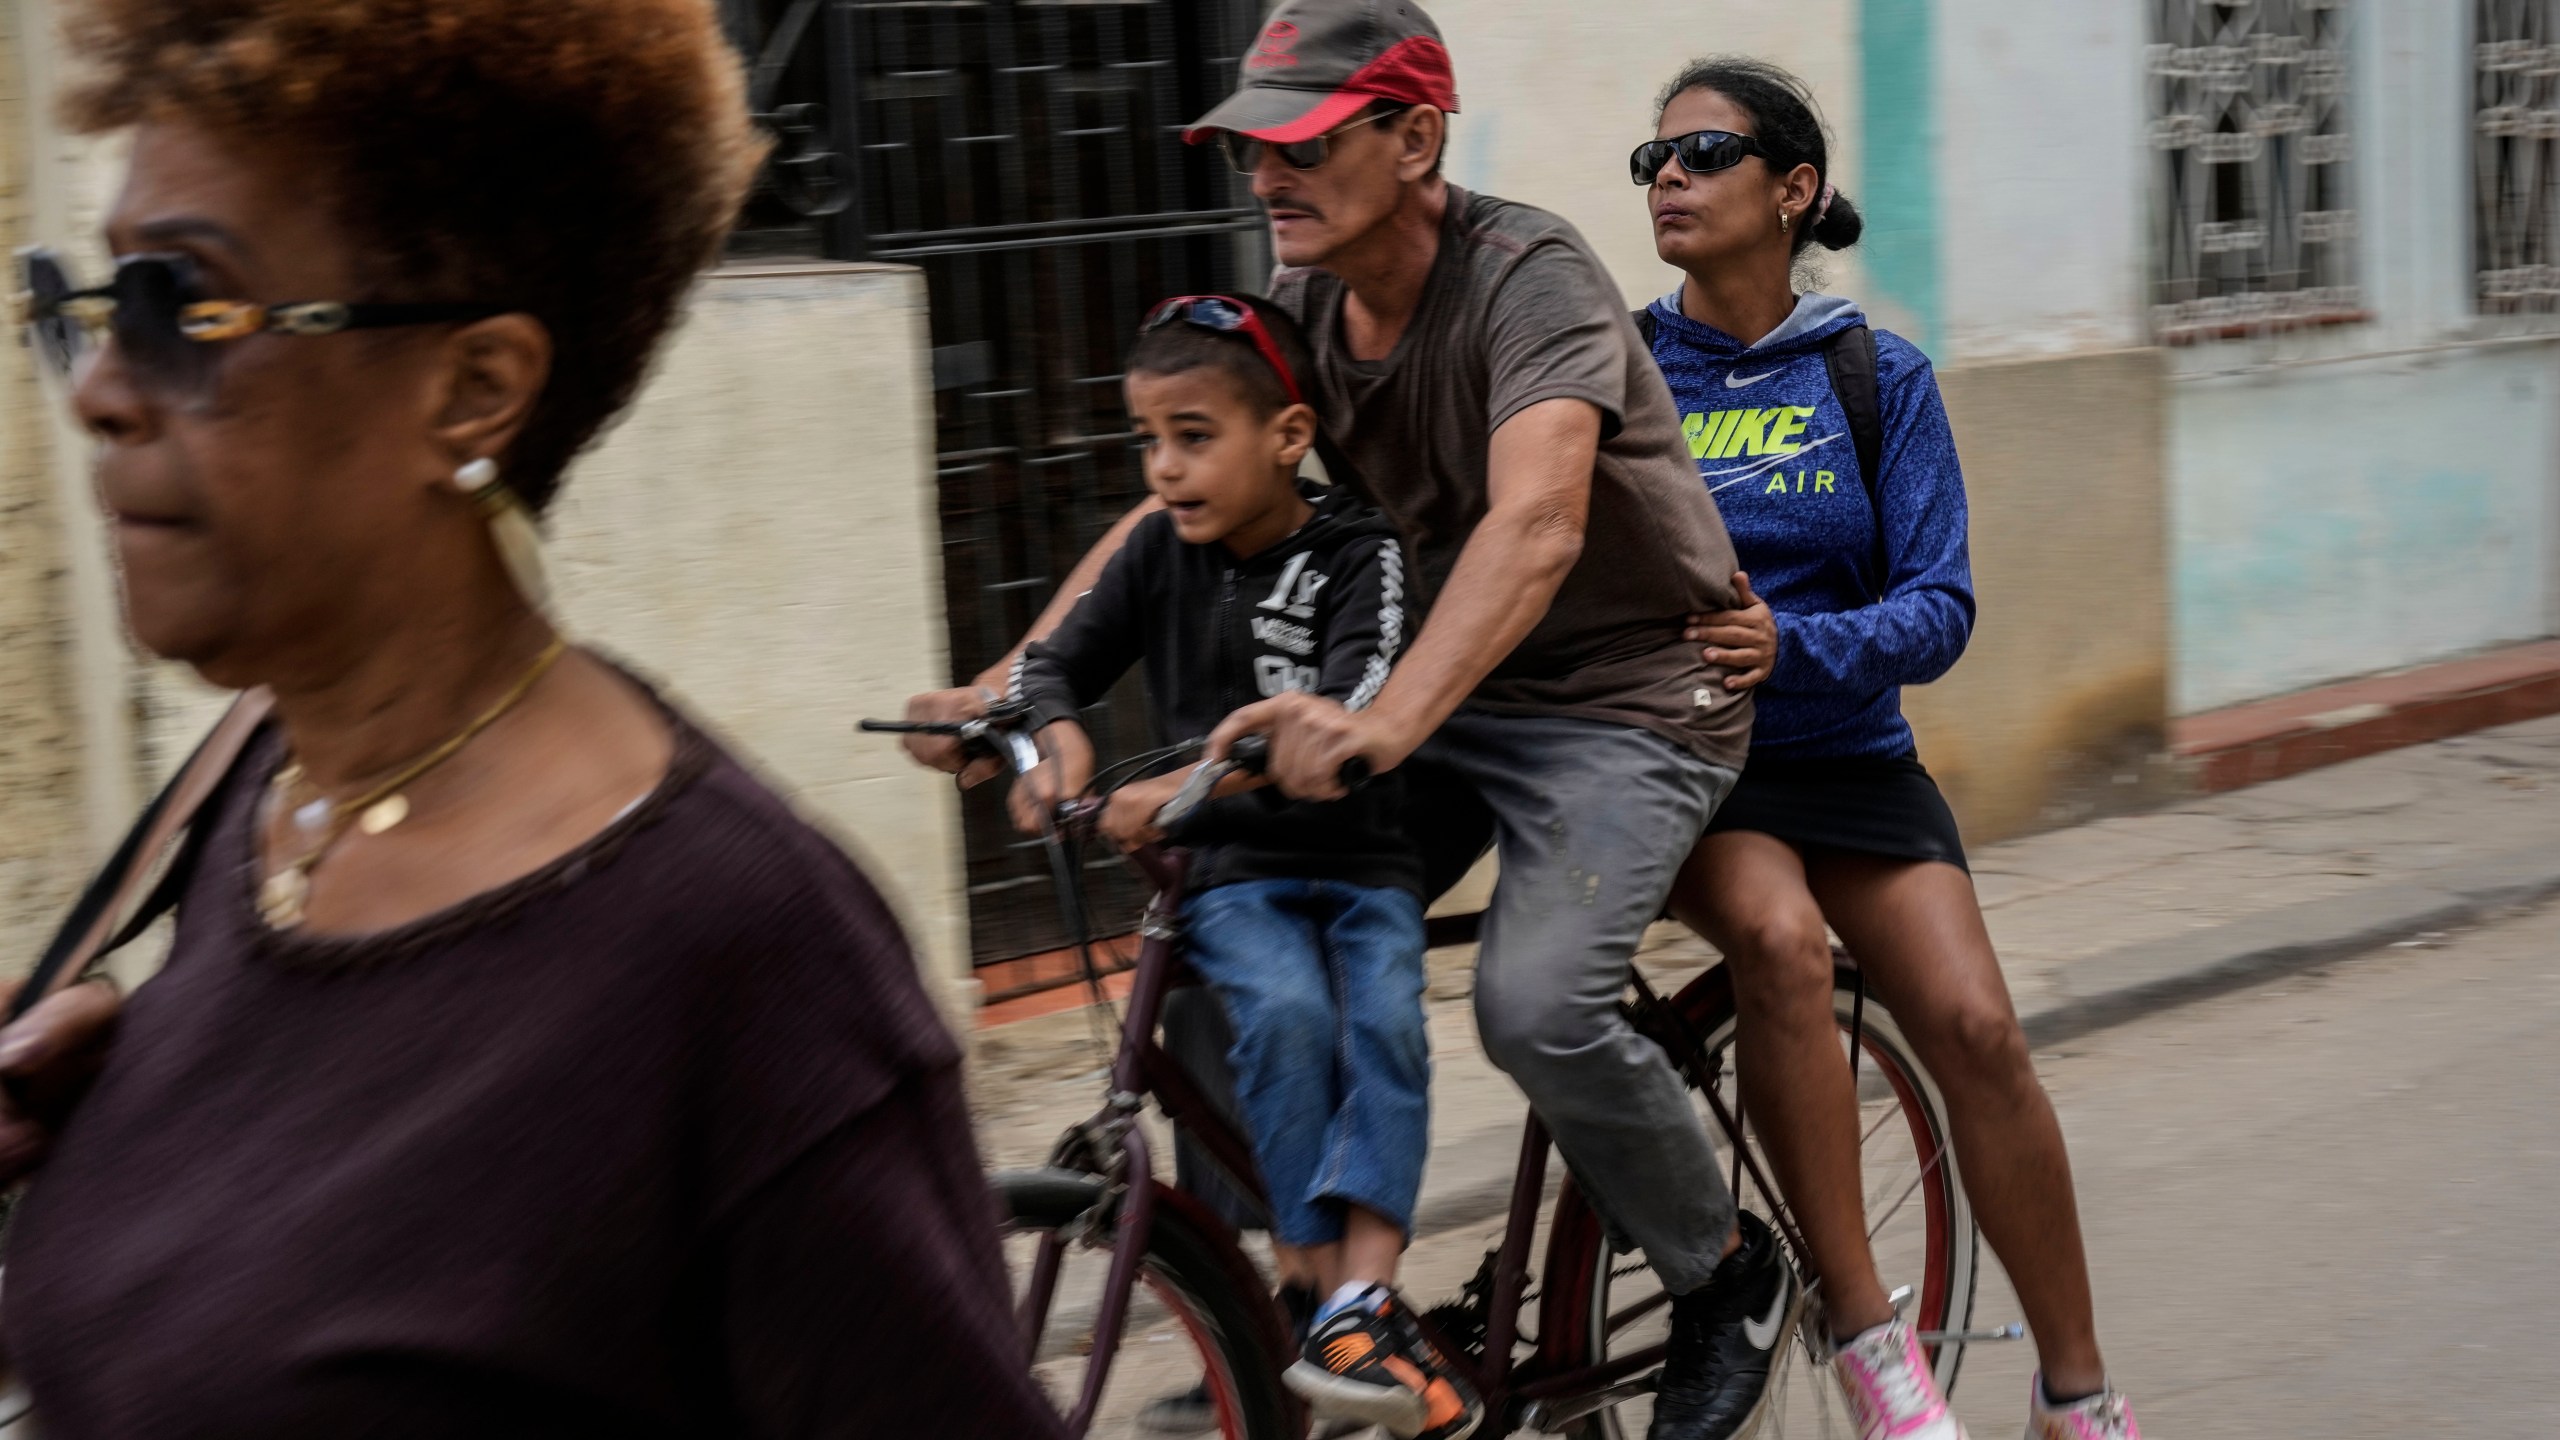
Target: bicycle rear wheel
{"type": "Point", "coordinates": [1201, 1318]}
{"type": "Point", "coordinates": [1920, 1224]}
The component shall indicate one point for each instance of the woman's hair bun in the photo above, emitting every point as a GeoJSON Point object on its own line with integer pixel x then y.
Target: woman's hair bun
{"type": "Point", "coordinates": [1840, 225]}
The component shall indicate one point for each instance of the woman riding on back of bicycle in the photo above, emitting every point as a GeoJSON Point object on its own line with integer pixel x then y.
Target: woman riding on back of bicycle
{"type": "Point", "coordinates": [1835, 820]}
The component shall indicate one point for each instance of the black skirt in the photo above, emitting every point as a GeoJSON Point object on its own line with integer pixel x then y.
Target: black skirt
{"type": "Point", "coordinates": [1872, 804]}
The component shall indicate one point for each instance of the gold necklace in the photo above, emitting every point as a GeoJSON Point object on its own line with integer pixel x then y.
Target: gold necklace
{"type": "Point", "coordinates": [286, 893]}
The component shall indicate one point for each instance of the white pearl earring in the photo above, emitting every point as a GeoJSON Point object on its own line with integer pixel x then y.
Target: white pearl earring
{"type": "Point", "coordinates": [477, 476]}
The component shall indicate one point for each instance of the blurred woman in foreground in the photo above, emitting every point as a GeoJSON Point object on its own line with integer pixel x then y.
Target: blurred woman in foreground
{"type": "Point", "coordinates": [522, 1066]}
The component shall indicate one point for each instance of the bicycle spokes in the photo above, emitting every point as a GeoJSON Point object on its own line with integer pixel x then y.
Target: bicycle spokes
{"type": "Point", "coordinates": [1920, 1226]}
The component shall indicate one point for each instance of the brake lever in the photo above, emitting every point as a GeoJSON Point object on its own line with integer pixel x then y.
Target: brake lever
{"type": "Point", "coordinates": [1020, 749]}
{"type": "Point", "coordinates": [1194, 793]}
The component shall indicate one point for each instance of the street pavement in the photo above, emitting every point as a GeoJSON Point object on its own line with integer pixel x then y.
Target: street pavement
{"type": "Point", "coordinates": [2321, 1206]}
{"type": "Point", "coordinates": [2298, 1036]}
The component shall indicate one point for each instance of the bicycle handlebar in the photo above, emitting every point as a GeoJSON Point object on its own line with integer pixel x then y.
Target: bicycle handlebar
{"type": "Point", "coordinates": [1250, 755]}
{"type": "Point", "coordinates": [1004, 732]}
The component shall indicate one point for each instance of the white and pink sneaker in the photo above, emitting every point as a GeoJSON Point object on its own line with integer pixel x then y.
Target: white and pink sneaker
{"type": "Point", "coordinates": [1891, 1389]}
{"type": "Point", "coordinates": [2106, 1415]}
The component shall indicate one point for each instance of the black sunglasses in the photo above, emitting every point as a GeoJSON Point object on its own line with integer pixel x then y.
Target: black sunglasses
{"type": "Point", "coordinates": [166, 326]}
{"type": "Point", "coordinates": [1244, 153]}
{"type": "Point", "coordinates": [1701, 153]}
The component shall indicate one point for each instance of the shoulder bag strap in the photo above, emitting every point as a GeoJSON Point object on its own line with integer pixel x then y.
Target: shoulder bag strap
{"type": "Point", "coordinates": [123, 899]}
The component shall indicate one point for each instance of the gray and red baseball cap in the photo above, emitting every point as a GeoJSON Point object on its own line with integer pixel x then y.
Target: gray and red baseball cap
{"type": "Point", "coordinates": [1319, 63]}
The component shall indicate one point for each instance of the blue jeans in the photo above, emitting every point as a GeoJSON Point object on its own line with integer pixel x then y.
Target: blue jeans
{"type": "Point", "coordinates": [1323, 984]}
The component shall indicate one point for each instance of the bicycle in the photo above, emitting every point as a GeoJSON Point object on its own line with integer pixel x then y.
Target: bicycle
{"type": "Point", "coordinates": [1588, 1369]}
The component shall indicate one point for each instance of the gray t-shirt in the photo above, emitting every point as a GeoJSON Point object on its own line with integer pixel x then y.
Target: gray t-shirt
{"type": "Point", "coordinates": [1518, 310]}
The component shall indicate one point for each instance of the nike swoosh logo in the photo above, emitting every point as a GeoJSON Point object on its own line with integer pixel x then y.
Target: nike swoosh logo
{"type": "Point", "coordinates": [1737, 382]}
{"type": "Point", "coordinates": [1763, 1333]}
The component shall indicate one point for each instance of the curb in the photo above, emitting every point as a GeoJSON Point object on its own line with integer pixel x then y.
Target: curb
{"type": "Point", "coordinates": [2110, 988]}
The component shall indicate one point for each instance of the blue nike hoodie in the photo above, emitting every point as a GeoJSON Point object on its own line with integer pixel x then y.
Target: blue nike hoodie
{"type": "Point", "coordinates": [1856, 621]}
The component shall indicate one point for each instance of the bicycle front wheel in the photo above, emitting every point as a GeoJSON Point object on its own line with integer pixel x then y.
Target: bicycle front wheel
{"type": "Point", "coordinates": [1919, 1223]}
{"type": "Point", "coordinates": [1200, 1353]}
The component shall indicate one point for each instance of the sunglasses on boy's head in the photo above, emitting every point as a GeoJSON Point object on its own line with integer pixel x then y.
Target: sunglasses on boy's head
{"type": "Point", "coordinates": [1244, 153]}
{"type": "Point", "coordinates": [167, 327]}
{"type": "Point", "coordinates": [1226, 317]}
{"type": "Point", "coordinates": [1701, 153]}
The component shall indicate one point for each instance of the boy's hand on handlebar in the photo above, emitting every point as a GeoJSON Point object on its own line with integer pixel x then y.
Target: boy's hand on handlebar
{"type": "Point", "coordinates": [1062, 775]}
{"type": "Point", "coordinates": [1744, 641]}
{"type": "Point", "coordinates": [1129, 819]}
{"type": "Point", "coordinates": [943, 752]}
{"type": "Point", "coordinates": [1034, 798]}
{"type": "Point", "coordinates": [1312, 739]}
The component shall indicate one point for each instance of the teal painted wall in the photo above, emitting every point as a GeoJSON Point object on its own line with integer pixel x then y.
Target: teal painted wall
{"type": "Point", "coordinates": [1898, 138]}
{"type": "Point", "coordinates": [2355, 518]}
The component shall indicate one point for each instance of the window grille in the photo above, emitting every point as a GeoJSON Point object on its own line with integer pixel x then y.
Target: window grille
{"type": "Point", "coordinates": [2516, 155]}
{"type": "Point", "coordinates": [2254, 225]}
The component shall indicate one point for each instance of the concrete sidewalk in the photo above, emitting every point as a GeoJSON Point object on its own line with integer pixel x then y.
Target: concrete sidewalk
{"type": "Point", "coordinates": [2095, 924]}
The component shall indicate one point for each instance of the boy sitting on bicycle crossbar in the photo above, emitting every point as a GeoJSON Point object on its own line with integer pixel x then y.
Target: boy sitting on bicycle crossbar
{"type": "Point", "coordinates": [1305, 918]}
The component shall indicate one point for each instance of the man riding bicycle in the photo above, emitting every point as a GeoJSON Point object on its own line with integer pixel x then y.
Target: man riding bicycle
{"type": "Point", "coordinates": [1485, 388]}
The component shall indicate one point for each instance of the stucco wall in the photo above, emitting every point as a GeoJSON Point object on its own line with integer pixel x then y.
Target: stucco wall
{"type": "Point", "coordinates": [41, 823]}
{"type": "Point", "coordinates": [2060, 703]}
{"type": "Point", "coordinates": [1556, 95]}
{"type": "Point", "coordinates": [761, 536]}
{"type": "Point", "coordinates": [2360, 516]}
{"type": "Point", "coordinates": [2040, 180]}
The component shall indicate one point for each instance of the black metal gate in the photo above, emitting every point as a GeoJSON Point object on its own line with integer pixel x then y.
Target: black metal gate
{"type": "Point", "coordinates": [1027, 155]}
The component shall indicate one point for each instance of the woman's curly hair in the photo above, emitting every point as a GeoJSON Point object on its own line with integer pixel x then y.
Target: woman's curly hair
{"type": "Point", "coordinates": [580, 160]}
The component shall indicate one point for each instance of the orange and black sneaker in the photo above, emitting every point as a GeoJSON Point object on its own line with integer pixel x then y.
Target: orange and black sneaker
{"type": "Point", "coordinates": [1371, 1364]}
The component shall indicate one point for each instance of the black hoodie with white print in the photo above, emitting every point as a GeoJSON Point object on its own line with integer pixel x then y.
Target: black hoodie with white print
{"type": "Point", "coordinates": [1322, 611]}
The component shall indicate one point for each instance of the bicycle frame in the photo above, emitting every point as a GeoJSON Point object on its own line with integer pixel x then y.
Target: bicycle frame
{"type": "Point", "coordinates": [1553, 1386]}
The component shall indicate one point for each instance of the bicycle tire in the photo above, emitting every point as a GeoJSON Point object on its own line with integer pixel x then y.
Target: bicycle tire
{"type": "Point", "coordinates": [1578, 1274]}
{"type": "Point", "coordinates": [1208, 1285]}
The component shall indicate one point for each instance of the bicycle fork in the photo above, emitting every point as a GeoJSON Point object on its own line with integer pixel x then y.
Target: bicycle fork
{"type": "Point", "coordinates": [1113, 1145]}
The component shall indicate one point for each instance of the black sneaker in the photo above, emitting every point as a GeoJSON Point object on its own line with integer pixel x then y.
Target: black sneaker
{"type": "Point", "coordinates": [1192, 1412]}
{"type": "Point", "coordinates": [1723, 1337]}
{"type": "Point", "coordinates": [1372, 1365]}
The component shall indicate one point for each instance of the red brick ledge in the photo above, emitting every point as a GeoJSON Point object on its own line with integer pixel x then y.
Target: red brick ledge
{"type": "Point", "coordinates": [2270, 739]}
{"type": "Point", "coordinates": [1038, 985]}
{"type": "Point", "coordinates": [1046, 984]}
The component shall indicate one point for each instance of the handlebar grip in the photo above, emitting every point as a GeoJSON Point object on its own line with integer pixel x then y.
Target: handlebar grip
{"type": "Point", "coordinates": [897, 727]}
{"type": "Point", "coordinates": [1252, 755]}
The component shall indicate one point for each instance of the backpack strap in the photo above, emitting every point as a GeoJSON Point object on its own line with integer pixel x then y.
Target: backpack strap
{"type": "Point", "coordinates": [136, 887]}
{"type": "Point", "coordinates": [1851, 358]}
{"type": "Point", "coordinates": [1648, 325]}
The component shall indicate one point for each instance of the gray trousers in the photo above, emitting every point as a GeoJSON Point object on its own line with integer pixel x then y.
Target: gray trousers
{"type": "Point", "coordinates": [1593, 822]}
